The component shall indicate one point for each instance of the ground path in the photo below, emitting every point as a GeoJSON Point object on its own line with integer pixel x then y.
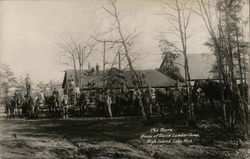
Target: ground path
{"type": "Point", "coordinates": [94, 138]}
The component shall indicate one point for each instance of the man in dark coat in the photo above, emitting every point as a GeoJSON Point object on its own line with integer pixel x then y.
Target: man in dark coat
{"type": "Point", "coordinates": [28, 84]}
{"type": "Point", "coordinates": [82, 103]}
{"type": "Point", "coordinates": [97, 67]}
{"type": "Point", "coordinates": [55, 93]}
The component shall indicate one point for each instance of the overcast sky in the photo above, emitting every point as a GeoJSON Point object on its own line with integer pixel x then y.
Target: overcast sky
{"type": "Point", "coordinates": [29, 30]}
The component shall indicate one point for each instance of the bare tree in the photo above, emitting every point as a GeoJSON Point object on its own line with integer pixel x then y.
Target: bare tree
{"type": "Point", "coordinates": [223, 38]}
{"type": "Point", "coordinates": [178, 14]}
{"type": "Point", "coordinates": [67, 54]}
{"type": "Point", "coordinates": [205, 13]}
{"type": "Point", "coordinates": [47, 87]}
{"type": "Point", "coordinates": [7, 78]}
{"type": "Point", "coordinates": [82, 53]}
{"type": "Point", "coordinates": [20, 83]}
{"type": "Point", "coordinates": [74, 54]}
{"type": "Point", "coordinates": [124, 42]}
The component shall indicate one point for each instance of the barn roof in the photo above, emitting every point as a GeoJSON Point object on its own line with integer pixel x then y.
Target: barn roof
{"type": "Point", "coordinates": [153, 78]}
{"type": "Point", "coordinates": [200, 65]}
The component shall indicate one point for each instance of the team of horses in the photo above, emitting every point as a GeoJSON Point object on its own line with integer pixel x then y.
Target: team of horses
{"type": "Point", "coordinates": [144, 103]}
{"type": "Point", "coordinates": [124, 103]}
{"type": "Point", "coordinates": [214, 91]}
{"type": "Point", "coordinates": [25, 106]}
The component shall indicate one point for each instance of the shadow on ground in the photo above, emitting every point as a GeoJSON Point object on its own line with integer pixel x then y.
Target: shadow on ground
{"type": "Point", "coordinates": [95, 138]}
{"type": "Point", "coordinates": [120, 130]}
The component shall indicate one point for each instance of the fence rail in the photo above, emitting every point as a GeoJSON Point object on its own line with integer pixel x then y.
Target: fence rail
{"type": "Point", "coordinates": [183, 85]}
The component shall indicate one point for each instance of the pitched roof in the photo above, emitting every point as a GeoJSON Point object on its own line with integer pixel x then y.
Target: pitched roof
{"type": "Point", "coordinates": [153, 78]}
{"type": "Point", "coordinates": [200, 65]}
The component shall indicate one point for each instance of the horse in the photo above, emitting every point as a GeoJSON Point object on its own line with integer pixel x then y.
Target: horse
{"type": "Point", "coordinates": [147, 102]}
{"type": "Point", "coordinates": [65, 106]}
{"type": "Point", "coordinates": [198, 97]}
{"type": "Point", "coordinates": [121, 107]}
{"type": "Point", "coordinates": [9, 106]}
{"type": "Point", "coordinates": [131, 107]}
{"type": "Point", "coordinates": [103, 104]}
{"type": "Point", "coordinates": [52, 105]}
{"type": "Point", "coordinates": [183, 100]}
{"type": "Point", "coordinates": [162, 101]}
{"type": "Point", "coordinates": [18, 102]}
{"type": "Point", "coordinates": [73, 93]}
{"type": "Point", "coordinates": [176, 99]}
{"type": "Point", "coordinates": [82, 103]}
{"type": "Point", "coordinates": [155, 107]}
{"type": "Point", "coordinates": [114, 104]}
{"type": "Point", "coordinates": [214, 91]}
{"type": "Point", "coordinates": [29, 107]}
{"type": "Point", "coordinates": [137, 103]}
{"type": "Point", "coordinates": [126, 103]}
{"type": "Point", "coordinates": [244, 90]}
{"type": "Point", "coordinates": [108, 102]}
{"type": "Point", "coordinates": [40, 102]}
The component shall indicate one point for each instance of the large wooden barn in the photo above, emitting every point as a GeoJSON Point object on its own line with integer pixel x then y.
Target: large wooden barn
{"type": "Point", "coordinates": [152, 78]}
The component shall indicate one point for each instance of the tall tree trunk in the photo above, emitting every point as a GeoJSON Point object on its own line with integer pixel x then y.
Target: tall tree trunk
{"type": "Point", "coordinates": [75, 70]}
{"type": "Point", "coordinates": [182, 31]}
{"type": "Point", "coordinates": [127, 53]}
{"type": "Point", "coordinates": [239, 63]}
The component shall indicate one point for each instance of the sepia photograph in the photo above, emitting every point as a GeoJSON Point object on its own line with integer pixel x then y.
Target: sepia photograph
{"type": "Point", "coordinates": [124, 79]}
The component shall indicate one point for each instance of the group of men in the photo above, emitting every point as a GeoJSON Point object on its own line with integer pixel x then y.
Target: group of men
{"type": "Point", "coordinates": [19, 105]}
{"type": "Point", "coordinates": [109, 102]}
{"type": "Point", "coordinates": [105, 99]}
{"type": "Point", "coordinates": [123, 100]}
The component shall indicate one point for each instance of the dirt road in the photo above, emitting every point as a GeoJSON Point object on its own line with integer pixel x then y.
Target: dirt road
{"type": "Point", "coordinates": [96, 139]}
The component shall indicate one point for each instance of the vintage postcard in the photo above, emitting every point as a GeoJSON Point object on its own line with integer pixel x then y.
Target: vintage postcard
{"type": "Point", "coordinates": [124, 79]}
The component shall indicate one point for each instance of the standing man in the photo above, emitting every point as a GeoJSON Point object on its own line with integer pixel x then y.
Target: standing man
{"type": "Point", "coordinates": [89, 67]}
{"type": "Point", "coordinates": [97, 67]}
{"type": "Point", "coordinates": [149, 102]}
{"type": "Point", "coordinates": [55, 93]}
{"type": "Point", "coordinates": [72, 92]}
{"type": "Point", "coordinates": [124, 87]}
{"type": "Point", "coordinates": [15, 98]}
{"type": "Point", "coordinates": [28, 84]}
{"type": "Point", "coordinates": [82, 103]}
{"type": "Point", "coordinates": [108, 104]}
{"type": "Point", "coordinates": [178, 85]}
{"type": "Point", "coordinates": [70, 80]}
{"type": "Point", "coordinates": [41, 99]}
{"type": "Point", "coordinates": [138, 102]}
